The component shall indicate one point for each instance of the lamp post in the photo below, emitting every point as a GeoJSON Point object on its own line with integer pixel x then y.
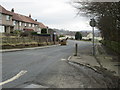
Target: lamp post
{"type": "Point", "coordinates": [93, 24]}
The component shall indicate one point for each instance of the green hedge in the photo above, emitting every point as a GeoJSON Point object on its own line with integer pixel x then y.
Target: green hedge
{"type": "Point", "coordinates": [115, 46]}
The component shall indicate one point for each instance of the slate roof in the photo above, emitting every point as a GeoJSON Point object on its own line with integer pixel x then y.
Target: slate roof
{"type": "Point", "coordinates": [41, 25]}
{"type": "Point", "coordinates": [22, 18]}
{"type": "Point", "coordinates": [4, 11]}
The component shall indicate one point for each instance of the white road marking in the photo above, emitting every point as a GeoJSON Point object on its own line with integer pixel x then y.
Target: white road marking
{"type": "Point", "coordinates": [69, 58]}
{"type": "Point", "coordinates": [14, 78]}
{"type": "Point", "coordinates": [63, 59]}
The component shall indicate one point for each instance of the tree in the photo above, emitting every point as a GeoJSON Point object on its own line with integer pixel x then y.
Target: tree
{"type": "Point", "coordinates": [78, 36]}
{"type": "Point", "coordinates": [44, 30]}
{"type": "Point", "coordinates": [62, 36]}
{"type": "Point", "coordinates": [107, 15]}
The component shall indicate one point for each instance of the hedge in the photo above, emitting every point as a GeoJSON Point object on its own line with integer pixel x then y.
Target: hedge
{"type": "Point", "coordinates": [115, 46]}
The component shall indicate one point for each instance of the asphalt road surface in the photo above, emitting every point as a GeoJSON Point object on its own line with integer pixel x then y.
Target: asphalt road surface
{"type": "Point", "coordinates": [48, 67]}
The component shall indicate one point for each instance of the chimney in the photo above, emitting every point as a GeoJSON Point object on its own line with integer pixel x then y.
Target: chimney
{"type": "Point", "coordinates": [12, 10]}
{"type": "Point", "coordinates": [36, 20]}
{"type": "Point", "coordinates": [30, 15]}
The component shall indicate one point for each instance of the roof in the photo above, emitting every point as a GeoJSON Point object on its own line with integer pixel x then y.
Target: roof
{"type": "Point", "coordinates": [4, 11]}
{"type": "Point", "coordinates": [17, 17]}
{"type": "Point", "coordinates": [41, 25]}
{"type": "Point", "coordinates": [23, 18]}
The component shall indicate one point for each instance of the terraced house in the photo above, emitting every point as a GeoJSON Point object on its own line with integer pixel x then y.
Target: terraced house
{"type": "Point", "coordinates": [10, 21]}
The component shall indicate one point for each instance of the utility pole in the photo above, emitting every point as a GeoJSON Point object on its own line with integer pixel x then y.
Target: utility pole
{"type": "Point", "coordinates": [93, 24]}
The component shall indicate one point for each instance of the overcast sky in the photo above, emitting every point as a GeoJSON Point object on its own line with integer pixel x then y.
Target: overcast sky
{"type": "Point", "coordinates": [57, 14]}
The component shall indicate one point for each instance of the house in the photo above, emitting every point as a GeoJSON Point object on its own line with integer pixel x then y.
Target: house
{"type": "Point", "coordinates": [6, 23]}
{"type": "Point", "coordinates": [10, 21]}
{"type": "Point", "coordinates": [41, 26]}
{"type": "Point", "coordinates": [90, 37]}
{"type": "Point", "coordinates": [26, 23]}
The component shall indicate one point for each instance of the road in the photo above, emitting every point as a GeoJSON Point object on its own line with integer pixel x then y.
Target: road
{"type": "Point", "coordinates": [48, 67]}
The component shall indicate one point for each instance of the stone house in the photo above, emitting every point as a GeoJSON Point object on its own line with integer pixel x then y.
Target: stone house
{"type": "Point", "coordinates": [40, 26]}
{"type": "Point", "coordinates": [6, 23]}
{"type": "Point", "coordinates": [10, 21]}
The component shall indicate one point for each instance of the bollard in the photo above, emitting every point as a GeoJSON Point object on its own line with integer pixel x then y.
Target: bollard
{"type": "Point", "coordinates": [76, 49]}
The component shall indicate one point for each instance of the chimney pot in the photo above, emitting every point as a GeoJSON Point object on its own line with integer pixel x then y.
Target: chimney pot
{"type": "Point", "coordinates": [12, 10]}
{"type": "Point", "coordinates": [30, 15]}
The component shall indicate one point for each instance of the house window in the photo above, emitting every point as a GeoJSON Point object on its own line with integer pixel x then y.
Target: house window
{"type": "Point", "coordinates": [33, 25]}
{"type": "Point", "coordinates": [14, 22]}
{"type": "Point", "coordinates": [8, 17]}
{"type": "Point", "coordinates": [25, 24]}
{"type": "Point", "coordinates": [20, 23]}
{"type": "Point", "coordinates": [0, 16]}
{"type": "Point", "coordinates": [2, 29]}
{"type": "Point", "coordinates": [29, 25]}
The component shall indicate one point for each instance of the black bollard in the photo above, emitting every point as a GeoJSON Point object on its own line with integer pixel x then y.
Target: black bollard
{"type": "Point", "coordinates": [76, 49]}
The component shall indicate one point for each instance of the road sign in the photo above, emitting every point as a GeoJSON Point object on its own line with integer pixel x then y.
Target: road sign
{"type": "Point", "coordinates": [93, 23]}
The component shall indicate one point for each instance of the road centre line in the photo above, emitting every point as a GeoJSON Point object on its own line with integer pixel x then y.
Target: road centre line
{"type": "Point", "coordinates": [69, 57]}
{"type": "Point", "coordinates": [21, 73]}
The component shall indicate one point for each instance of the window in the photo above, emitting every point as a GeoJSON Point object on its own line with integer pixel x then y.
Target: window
{"type": "Point", "coordinates": [25, 24]}
{"type": "Point", "coordinates": [33, 25]}
{"type": "Point", "coordinates": [20, 23]}
{"type": "Point", "coordinates": [2, 29]}
{"type": "Point", "coordinates": [14, 22]}
{"type": "Point", "coordinates": [29, 25]}
{"type": "Point", "coordinates": [8, 17]}
{"type": "Point", "coordinates": [0, 16]}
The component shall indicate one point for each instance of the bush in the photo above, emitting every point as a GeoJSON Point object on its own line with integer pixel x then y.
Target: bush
{"type": "Point", "coordinates": [78, 36]}
{"type": "Point", "coordinates": [115, 46]}
{"type": "Point", "coordinates": [24, 34]}
{"type": "Point", "coordinates": [43, 30]}
{"type": "Point", "coordinates": [17, 32]}
{"type": "Point", "coordinates": [33, 33]}
{"type": "Point", "coordinates": [61, 36]}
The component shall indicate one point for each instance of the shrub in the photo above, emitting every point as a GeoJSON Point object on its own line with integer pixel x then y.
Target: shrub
{"type": "Point", "coordinates": [78, 36]}
{"type": "Point", "coordinates": [24, 34]}
{"type": "Point", "coordinates": [43, 30]}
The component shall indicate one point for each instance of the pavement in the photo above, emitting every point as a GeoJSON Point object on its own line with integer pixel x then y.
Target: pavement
{"type": "Point", "coordinates": [85, 60]}
{"type": "Point", "coordinates": [107, 61]}
{"type": "Point", "coordinates": [99, 62]}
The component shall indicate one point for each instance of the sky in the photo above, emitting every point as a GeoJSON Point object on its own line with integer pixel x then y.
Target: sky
{"type": "Point", "coordinates": [59, 14]}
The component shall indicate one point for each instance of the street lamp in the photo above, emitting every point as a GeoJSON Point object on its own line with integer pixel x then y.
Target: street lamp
{"type": "Point", "coordinates": [93, 24]}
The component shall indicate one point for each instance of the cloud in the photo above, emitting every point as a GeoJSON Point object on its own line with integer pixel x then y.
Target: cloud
{"type": "Point", "coordinates": [53, 13]}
